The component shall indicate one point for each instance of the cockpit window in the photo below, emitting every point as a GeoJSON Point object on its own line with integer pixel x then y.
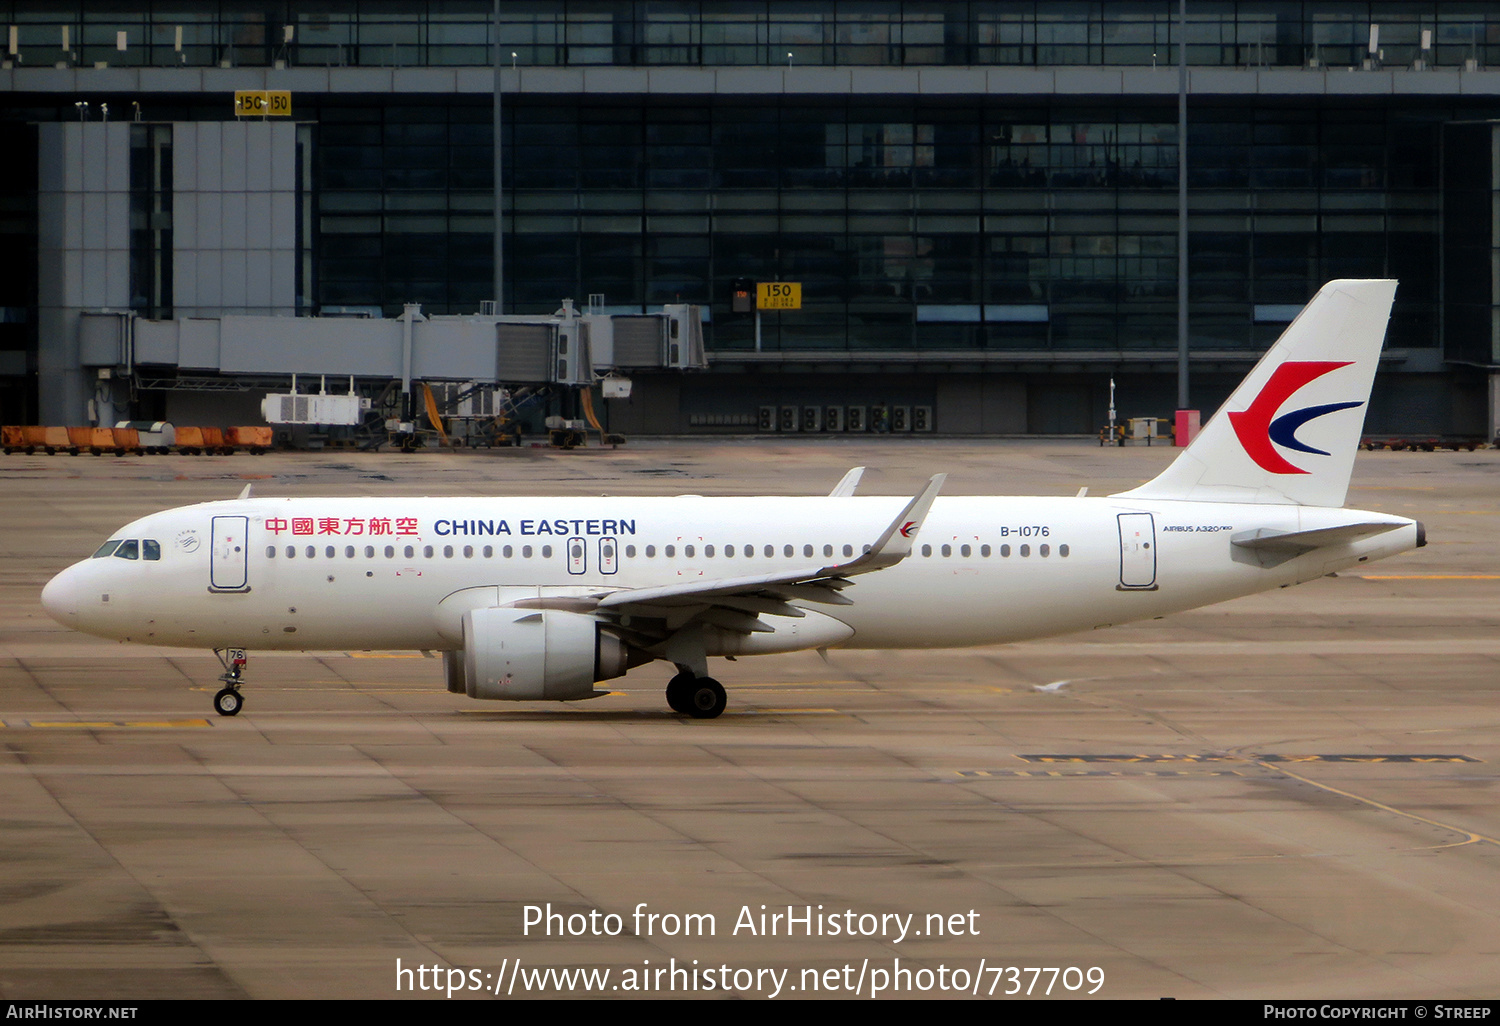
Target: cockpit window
{"type": "Point", "coordinates": [130, 549]}
{"type": "Point", "coordinates": [107, 549]}
{"type": "Point", "coordinates": [151, 548]}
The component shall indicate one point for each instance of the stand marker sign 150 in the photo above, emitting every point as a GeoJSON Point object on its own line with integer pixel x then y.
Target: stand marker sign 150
{"type": "Point", "coordinates": [262, 103]}
{"type": "Point", "coordinates": [778, 295]}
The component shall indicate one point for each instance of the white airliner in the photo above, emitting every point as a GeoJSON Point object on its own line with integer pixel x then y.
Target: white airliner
{"type": "Point", "coordinates": [542, 598]}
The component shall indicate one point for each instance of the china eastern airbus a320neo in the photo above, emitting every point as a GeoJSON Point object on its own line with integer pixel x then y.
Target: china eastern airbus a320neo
{"type": "Point", "coordinates": [542, 598]}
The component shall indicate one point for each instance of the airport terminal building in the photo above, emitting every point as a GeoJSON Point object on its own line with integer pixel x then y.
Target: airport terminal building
{"type": "Point", "coordinates": [978, 199]}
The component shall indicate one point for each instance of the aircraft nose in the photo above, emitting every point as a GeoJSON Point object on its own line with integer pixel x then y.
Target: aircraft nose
{"type": "Point", "coordinates": [60, 598]}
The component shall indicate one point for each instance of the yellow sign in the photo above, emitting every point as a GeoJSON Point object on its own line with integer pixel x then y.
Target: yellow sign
{"type": "Point", "coordinates": [261, 103]}
{"type": "Point", "coordinates": [779, 295]}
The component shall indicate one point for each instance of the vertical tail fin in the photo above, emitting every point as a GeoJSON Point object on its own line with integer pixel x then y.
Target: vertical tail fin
{"type": "Point", "coordinates": [1289, 433]}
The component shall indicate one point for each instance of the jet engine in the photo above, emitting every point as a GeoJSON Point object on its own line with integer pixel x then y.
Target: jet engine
{"type": "Point", "coordinates": [530, 654]}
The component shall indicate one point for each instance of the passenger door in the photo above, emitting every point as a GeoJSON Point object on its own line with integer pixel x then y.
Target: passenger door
{"type": "Point", "coordinates": [230, 554]}
{"type": "Point", "coordinates": [1137, 552]}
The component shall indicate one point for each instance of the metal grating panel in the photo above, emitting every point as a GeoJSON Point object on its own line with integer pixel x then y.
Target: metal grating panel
{"type": "Point", "coordinates": [638, 341]}
{"type": "Point", "coordinates": [101, 341]}
{"type": "Point", "coordinates": [524, 352]}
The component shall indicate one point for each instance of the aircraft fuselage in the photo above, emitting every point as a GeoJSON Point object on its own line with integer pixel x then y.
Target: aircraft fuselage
{"type": "Point", "coordinates": [307, 574]}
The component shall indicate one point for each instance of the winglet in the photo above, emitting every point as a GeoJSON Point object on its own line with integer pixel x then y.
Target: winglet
{"type": "Point", "coordinates": [896, 541]}
{"type": "Point", "coordinates": [847, 484]}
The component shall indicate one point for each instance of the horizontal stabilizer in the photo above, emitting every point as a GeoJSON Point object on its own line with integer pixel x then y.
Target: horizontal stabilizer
{"type": "Point", "coordinates": [1266, 547]}
{"type": "Point", "coordinates": [1306, 541]}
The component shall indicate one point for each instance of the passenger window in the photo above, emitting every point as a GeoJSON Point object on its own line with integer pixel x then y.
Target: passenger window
{"type": "Point", "coordinates": [630, 552]}
{"type": "Point", "coordinates": [807, 550]}
{"type": "Point", "coordinates": [687, 550]}
{"type": "Point", "coordinates": [369, 552]}
{"type": "Point", "coordinates": [1025, 550]}
{"type": "Point", "coordinates": [1005, 551]}
{"type": "Point", "coordinates": [507, 552]}
{"type": "Point", "coordinates": [150, 549]}
{"type": "Point", "coordinates": [107, 549]}
{"type": "Point", "coordinates": [311, 552]}
{"type": "Point", "coordinates": [270, 552]}
{"type": "Point", "coordinates": [390, 552]}
{"type": "Point", "coordinates": [410, 552]}
{"type": "Point", "coordinates": [965, 551]}
{"type": "Point", "coordinates": [468, 552]}
{"type": "Point", "coordinates": [926, 550]}
{"type": "Point", "coordinates": [770, 551]}
{"type": "Point", "coordinates": [848, 550]}
{"type": "Point", "coordinates": [1062, 550]}
{"type": "Point", "coordinates": [128, 550]}
{"type": "Point", "coordinates": [947, 551]}
{"type": "Point", "coordinates": [984, 550]}
{"type": "Point", "coordinates": [650, 551]}
{"type": "Point", "coordinates": [827, 550]}
{"type": "Point", "coordinates": [526, 551]}
{"type": "Point", "coordinates": [329, 551]}
{"type": "Point", "coordinates": [1044, 550]}
{"type": "Point", "coordinates": [708, 550]}
{"type": "Point", "coordinates": [787, 551]}
{"type": "Point", "coordinates": [671, 550]}
{"type": "Point", "coordinates": [447, 551]}
{"type": "Point", "coordinates": [291, 552]}
{"type": "Point", "coordinates": [489, 552]}
{"type": "Point", "coordinates": [546, 551]}
{"type": "Point", "coordinates": [728, 550]}
{"type": "Point", "coordinates": [348, 551]}
{"type": "Point", "coordinates": [427, 551]}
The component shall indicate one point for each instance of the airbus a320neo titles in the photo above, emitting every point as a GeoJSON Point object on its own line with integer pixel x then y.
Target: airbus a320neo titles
{"type": "Point", "coordinates": [543, 598]}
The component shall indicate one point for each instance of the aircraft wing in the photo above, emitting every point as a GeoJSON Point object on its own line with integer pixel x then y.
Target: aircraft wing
{"type": "Point", "coordinates": [847, 483]}
{"type": "Point", "coordinates": [743, 598]}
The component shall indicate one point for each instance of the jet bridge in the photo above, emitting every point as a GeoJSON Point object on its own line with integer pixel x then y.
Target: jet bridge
{"type": "Point", "coordinates": [561, 353]}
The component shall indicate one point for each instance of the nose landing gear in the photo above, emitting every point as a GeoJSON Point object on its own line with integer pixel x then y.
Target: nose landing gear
{"type": "Point", "coordinates": [229, 701]}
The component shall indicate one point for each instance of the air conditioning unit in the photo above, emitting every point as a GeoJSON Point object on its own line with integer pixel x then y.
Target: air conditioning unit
{"type": "Point", "coordinates": [900, 418]}
{"type": "Point", "coordinates": [857, 418]}
{"type": "Point", "coordinates": [314, 409]}
{"type": "Point", "coordinates": [812, 418]}
{"type": "Point", "coordinates": [833, 418]}
{"type": "Point", "coordinates": [790, 418]}
{"type": "Point", "coordinates": [767, 420]}
{"type": "Point", "coordinates": [921, 418]}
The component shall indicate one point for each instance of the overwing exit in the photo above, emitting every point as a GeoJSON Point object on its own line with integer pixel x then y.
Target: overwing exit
{"type": "Point", "coordinates": [545, 598]}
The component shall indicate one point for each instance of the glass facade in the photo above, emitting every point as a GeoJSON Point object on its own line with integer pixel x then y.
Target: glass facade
{"type": "Point", "coordinates": [938, 226]}
{"type": "Point", "coordinates": [934, 220]}
{"type": "Point", "coordinates": [711, 33]}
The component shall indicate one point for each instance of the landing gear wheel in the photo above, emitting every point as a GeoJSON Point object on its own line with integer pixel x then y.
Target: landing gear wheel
{"type": "Point", "coordinates": [228, 702]}
{"type": "Point", "coordinates": [706, 698]}
{"type": "Point", "coordinates": [678, 690]}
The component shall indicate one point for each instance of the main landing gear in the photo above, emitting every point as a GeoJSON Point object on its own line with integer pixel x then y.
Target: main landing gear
{"type": "Point", "coordinates": [229, 701]}
{"type": "Point", "coordinates": [702, 698]}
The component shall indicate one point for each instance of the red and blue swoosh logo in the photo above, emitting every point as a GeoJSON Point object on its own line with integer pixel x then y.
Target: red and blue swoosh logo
{"type": "Point", "coordinates": [1257, 430]}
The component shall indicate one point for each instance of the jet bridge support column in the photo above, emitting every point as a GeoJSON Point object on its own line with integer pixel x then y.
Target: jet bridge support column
{"type": "Point", "coordinates": [1495, 406]}
{"type": "Point", "coordinates": [410, 313]}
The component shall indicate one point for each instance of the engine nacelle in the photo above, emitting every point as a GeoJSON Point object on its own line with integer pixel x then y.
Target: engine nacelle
{"type": "Point", "coordinates": [530, 654]}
